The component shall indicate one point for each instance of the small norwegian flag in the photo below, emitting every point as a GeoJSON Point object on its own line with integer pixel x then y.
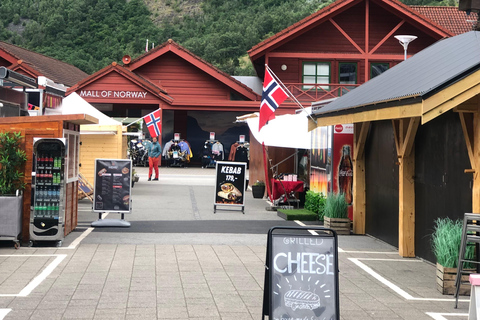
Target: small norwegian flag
{"type": "Point", "coordinates": [273, 95]}
{"type": "Point", "coordinates": [154, 123]}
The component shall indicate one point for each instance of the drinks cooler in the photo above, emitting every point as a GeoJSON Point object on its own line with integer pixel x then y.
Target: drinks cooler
{"type": "Point", "coordinates": [47, 211]}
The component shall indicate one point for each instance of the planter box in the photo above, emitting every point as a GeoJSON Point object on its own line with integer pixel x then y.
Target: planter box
{"type": "Point", "coordinates": [446, 281]}
{"type": "Point", "coordinates": [11, 216]}
{"type": "Point", "coordinates": [340, 225]}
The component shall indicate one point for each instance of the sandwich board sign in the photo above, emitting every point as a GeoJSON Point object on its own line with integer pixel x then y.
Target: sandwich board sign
{"type": "Point", "coordinates": [112, 185]}
{"type": "Point", "coordinates": [301, 277]}
{"type": "Point", "coordinates": [230, 185]}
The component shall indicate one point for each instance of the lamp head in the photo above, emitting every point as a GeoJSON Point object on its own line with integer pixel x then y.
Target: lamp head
{"type": "Point", "coordinates": [405, 39]}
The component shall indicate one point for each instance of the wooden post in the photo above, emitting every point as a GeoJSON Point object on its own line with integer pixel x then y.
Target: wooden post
{"type": "Point", "coordinates": [476, 165]}
{"type": "Point", "coordinates": [405, 131]}
{"type": "Point", "coordinates": [406, 206]}
{"type": "Point", "coordinates": [471, 130]}
{"type": "Point", "coordinates": [359, 186]}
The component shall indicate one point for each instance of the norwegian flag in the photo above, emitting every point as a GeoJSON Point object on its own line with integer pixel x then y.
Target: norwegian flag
{"type": "Point", "coordinates": [273, 95]}
{"type": "Point", "coordinates": [154, 123]}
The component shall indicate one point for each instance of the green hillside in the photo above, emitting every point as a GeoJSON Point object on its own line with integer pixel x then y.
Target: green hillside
{"type": "Point", "coordinates": [90, 34]}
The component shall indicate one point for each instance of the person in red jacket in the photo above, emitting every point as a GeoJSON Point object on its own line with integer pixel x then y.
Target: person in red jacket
{"type": "Point", "coordinates": [154, 152]}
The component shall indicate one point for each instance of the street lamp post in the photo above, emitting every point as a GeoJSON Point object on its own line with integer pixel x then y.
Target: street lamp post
{"type": "Point", "coordinates": [404, 41]}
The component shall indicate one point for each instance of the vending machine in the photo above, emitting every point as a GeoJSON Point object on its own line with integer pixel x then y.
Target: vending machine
{"type": "Point", "coordinates": [47, 210]}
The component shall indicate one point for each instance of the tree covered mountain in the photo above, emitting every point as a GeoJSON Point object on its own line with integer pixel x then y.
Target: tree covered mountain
{"type": "Point", "coordinates": [90, 34]}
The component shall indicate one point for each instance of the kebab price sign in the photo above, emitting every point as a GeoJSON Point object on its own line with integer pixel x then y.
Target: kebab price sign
{"type": "Point", "coordinates": [303, 278]}
{"type": "Point", "coordinates": [230, 183]}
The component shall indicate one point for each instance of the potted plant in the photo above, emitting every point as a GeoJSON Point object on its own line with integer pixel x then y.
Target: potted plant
{"type": "Point", "coordinates": [258, 189]}
{"type": "Point", "coordinates": [315, 202]}
{"type": "Point", "coordinates": [446, 239]}
{"type": "Point", "coordinates": [336, 213]}
{"type": "Point", "coordinates": [12, 160]}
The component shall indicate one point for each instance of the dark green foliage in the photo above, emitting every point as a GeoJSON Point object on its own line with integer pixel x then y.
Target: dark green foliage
{"type": "Point", "coordinates": [12, 158]}
{"type": "Point", "coordinates": [315, 202]}
{"type": "Point", "coordinates": [90, 34]}
{"type": "Point", "coordinates": [446, 239]}
{"type": "Point", "coordinates": [336, 206]}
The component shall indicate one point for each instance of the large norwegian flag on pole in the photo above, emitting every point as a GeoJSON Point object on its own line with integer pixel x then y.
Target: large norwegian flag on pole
{"type": "Point", "coordinates": [154, 123]}
{"type": "Point", "coordinates": [273, 95]}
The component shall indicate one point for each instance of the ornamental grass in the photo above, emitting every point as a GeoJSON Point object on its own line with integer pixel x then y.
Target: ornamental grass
{"type": "Point", "coordinates": [446, 240]}
{"type": "Point", "coordinates": [336, 206]}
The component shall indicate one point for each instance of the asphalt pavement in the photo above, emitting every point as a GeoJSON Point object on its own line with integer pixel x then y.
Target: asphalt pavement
{"type": "Point", "coordinates": [180, 260]}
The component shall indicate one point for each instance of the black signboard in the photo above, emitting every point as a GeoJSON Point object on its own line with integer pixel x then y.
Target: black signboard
{"type": "Point", "coordinates": [230, 184]}
{"type": "Point", "coordinates": [112, 185]}
{"type": "Point", "coordinates": [301, 280]}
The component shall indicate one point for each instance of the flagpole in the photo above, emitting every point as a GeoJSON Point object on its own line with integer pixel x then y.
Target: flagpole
{"type": "Point", "coordinates": [289, 93]}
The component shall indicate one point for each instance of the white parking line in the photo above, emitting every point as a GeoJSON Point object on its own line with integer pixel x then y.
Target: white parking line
{"type": "Point", "coordinates": [38, 279]}
{"type": "Point", "coordinates": [4, 312]}
{"type": "Point", "coordinates": [389, 284]}
{"type": "Point", "coordinates": [440, 316]}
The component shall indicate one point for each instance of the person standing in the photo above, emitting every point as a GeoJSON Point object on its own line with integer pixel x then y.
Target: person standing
{"type": "Point", "coordinates": [154, 152]}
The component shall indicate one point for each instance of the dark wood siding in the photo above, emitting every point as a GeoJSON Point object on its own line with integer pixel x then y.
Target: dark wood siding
{"type": "Point", "coordinates": [441, 186]}
{"type": "Point", "coordinates": [381, 174]}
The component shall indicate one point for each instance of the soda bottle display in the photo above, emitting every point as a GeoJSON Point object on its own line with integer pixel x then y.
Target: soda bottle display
{"type": "Point", "coordinates": [345, 175]}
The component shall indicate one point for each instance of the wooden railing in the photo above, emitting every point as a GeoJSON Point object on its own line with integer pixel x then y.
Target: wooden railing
{"type": "Point", "coordinates": [317, 92]}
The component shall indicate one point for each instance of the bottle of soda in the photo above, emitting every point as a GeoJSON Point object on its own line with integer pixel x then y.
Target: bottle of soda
{"type": "Point", "coordinates": [345, 175]}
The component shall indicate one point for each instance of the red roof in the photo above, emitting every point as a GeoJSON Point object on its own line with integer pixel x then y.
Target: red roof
{"type": "Point", "coordinates": [172, 46]}
{"type": "Point", "coordinates": [55, 70]}
{"type": "Point", "coordinates": [450, 18]}
{"type": "Point", "coordinates": [259, 49]}
{"type": "Point", "coordinates": [156, 90]}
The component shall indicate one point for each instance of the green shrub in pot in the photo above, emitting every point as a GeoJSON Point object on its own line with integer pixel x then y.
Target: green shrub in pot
{"type": "Point", "coordinates": [12, 160]}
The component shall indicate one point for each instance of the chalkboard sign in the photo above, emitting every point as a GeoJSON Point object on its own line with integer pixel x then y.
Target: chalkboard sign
{"type": "Point", "coordinates": [302, 275]}
{"type": "Point", "coordinates": [230, 184]}
{"type": "Point", "coordinates": [112, 185]}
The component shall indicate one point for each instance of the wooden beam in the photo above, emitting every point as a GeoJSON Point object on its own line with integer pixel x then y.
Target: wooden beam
{"type": "Point", "coordinates": [410, 136]}
{"type": "Point", "coordinates": [398, 112]}
{"type": "Point", "coordinates": [346, 36]}
{"type": "Point", "coordinates": [451, 97]}
{"type": "Point", "coordinates": [360, 135]}
{"type": "Point", "coordinates": [466, 119]}
{"type": "Point", "coordinates": [388, 36]}
{"type": "Point", "coordinates": [352, 56]}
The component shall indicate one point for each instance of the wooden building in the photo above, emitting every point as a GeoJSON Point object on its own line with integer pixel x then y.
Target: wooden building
{"type": "Point", "coordinates": [416, 143]}
{"type": "Point", "coordinates": [195, 97]}
{"type": "Point", "coordinates": [345, 44]}
{"type": "Point", "coordinates": [48, 127]}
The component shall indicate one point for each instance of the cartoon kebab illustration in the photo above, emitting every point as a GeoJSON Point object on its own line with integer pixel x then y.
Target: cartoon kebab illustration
{"type": "Point", "coordinates": [229, 192]}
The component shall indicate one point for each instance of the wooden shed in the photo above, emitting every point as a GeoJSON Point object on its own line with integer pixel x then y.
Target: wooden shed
{"type": "Point", "coordinates": [58, 126]}
{"type": "Point", "coordinates": [416, 143]}
{"type": "Point", "coordinates": [104, 140]}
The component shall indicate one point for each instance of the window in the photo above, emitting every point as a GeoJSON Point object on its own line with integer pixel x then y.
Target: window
{"type": "Point", "coordinates": [347, 74]}
{"type": "Point", "coordinates": [378, 68]}
{"type": "Point", "coordinates": [316, 73]}
{"type": "Point", "coordinates": [73, 142]}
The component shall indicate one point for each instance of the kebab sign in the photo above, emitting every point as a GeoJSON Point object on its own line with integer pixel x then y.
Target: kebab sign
{"type": "Point", "coordinates": [230, 184]}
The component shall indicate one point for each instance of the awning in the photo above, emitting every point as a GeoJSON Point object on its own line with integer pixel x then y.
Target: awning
{"type": "Point", "coordinates": [286, 131]}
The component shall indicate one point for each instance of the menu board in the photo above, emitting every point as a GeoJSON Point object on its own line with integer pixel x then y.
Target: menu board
{"type": "Point", "coordinates": [303, 277]}
{"type": "Point", "coordinates": [230, 183]}
{"type": "Point", "coordinates": [112, 185]}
